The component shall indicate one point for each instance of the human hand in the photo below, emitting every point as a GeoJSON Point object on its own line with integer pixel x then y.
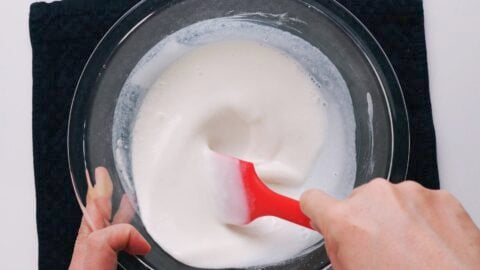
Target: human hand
{"type": "Point", "coordinates": [394, 226]}
{"type": "Point", "coordinates": [97, 248]}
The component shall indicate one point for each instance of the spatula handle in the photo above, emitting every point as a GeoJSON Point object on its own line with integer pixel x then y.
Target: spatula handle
{"type": "Point", "coordinates": [262, 201]}
{"type": "Point", "coordinates": [285, 208]}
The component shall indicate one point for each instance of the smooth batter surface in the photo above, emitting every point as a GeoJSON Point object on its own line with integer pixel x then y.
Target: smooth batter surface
{"type": "Point", "coordinates": [238, 98]}
{"type": "Point", "coordinates": [242, 89]}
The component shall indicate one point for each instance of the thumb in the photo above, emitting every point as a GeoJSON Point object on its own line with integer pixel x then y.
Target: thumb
{"type": "Point", "coordinates": [103, 245]}
{"type": "Point", "coordinates": [317, 205]}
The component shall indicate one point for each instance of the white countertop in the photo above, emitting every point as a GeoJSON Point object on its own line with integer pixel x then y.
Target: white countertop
{"type": "Point", "coordinates": [453, 43]}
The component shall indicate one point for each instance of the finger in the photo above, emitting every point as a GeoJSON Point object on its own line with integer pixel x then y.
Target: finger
{"type": "Point", "coordinates": [104, 244]}
{"type": "Point", "coordinates": [103, 192]}
{"type": "Point", "coordinates": [125, 211]}
{"type": "Point", "coordinates": [94, 216]}
{"type": "Point", "coordinates": [84, 230]}
{"type": "Point", "coordinates": [79, 249]}
{"type": "Point", "coordinates": [99, 200]}
{"type": "Point", "coordinates": [97, 213]}
{"type": "Point", "coordinates": [119, 237]}
{"type": "Point", "coordinates": [362, 189]}
{"type": "Point", "coordinates": [91, 220]}
{"type": "Point", "coordinates": [317, 205]}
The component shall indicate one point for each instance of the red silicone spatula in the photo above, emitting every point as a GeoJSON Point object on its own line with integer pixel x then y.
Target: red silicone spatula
{"type": "Point", "coordinates": [260, 200]}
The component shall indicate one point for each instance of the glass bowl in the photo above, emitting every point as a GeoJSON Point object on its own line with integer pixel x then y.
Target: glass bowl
{"type": "Point", "coordinates": [382, 128]}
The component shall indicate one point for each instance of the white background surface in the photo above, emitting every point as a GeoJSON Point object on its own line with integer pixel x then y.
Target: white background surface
{"type": "Point", "coordinates": [453, 43]}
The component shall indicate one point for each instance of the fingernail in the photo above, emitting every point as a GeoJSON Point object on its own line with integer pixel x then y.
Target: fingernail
{"type": "Point", "coordinates": [103, 183]}
{"type": "Point", "coordinates": [144, 247]}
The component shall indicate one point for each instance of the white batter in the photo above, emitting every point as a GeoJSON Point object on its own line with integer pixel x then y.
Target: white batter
{"type": "Point", "coordinates": [237, 98]}
{"type": "Point", "coordinates": [217, 86]}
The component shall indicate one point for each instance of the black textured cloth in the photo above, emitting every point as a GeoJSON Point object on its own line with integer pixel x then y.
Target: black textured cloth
{"type": "Point", "coordinates": [63, 34]}
{"type": "Point", "coordinates": [398, 27]}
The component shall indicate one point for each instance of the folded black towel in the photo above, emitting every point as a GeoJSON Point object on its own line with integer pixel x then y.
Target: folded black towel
{"type": "Point", "coordinates": [63, 34]}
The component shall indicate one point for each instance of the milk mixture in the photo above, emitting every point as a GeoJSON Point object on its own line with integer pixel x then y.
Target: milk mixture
{"type": "Point", "coordinates": [250, 99]}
